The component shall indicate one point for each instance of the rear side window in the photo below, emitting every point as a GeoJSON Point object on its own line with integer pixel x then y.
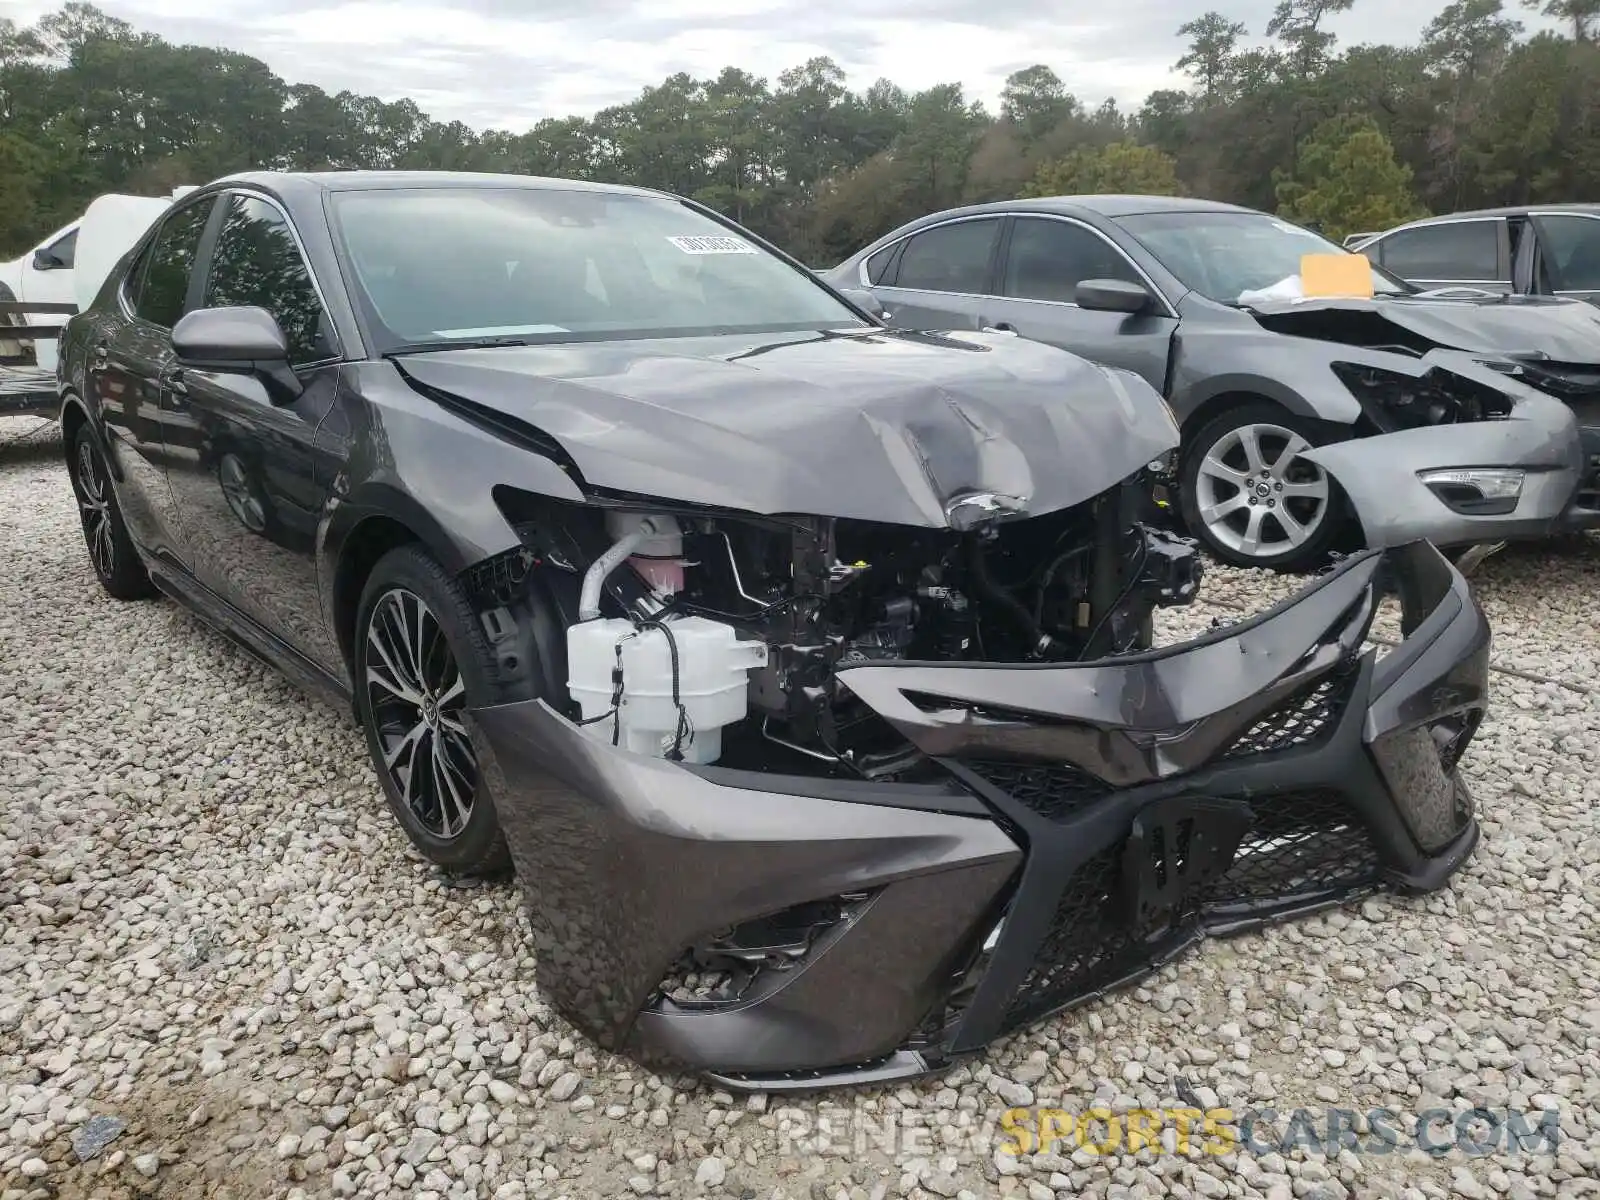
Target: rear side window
{"type": "Point", "coordinates": [1572, 252]}
{"type": "Point", "coordinates": [949, 258]}
{"type": "Point", "coordinates": [1458, 251]}
{"type": "Point", "coordinates": [162, 278]}
{"type": "Point", "coordinates": [258, 263]}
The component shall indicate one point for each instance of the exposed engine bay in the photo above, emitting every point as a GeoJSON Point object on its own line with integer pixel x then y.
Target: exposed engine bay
{"type": "Point", "coordinates": [711, 637]}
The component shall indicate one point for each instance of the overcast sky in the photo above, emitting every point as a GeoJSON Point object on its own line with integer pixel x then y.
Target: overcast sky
{"type": "Point", "coordinates": [507, 63]}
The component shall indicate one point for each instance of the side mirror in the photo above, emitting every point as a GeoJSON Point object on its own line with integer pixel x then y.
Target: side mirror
{"type": "Point", "coordinates": [240, 340]}
{"type": "Point", "coordinates": [1112, 295]}
{"type": "Point", "coordinates": [862, 298]}
{"type": "Point", "coordinates": [46, 260]}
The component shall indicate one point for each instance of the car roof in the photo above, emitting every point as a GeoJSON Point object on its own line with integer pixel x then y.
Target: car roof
{"type": "Point", "coordinates": [1086, 205]}
{"type": "Point", "coordinates": [1128, 205]}
{"type": "Point", "coordinates": [1515, 210]}
{"type": "Point", "coordinates": [352, 181]}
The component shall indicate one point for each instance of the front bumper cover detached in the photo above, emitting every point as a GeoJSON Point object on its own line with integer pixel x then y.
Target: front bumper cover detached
{"type": "Point", "coordinates": [1097, 819]}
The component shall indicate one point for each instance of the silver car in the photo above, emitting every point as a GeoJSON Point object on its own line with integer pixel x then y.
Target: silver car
{"type": "Point", "coordinates": [1417, 415]}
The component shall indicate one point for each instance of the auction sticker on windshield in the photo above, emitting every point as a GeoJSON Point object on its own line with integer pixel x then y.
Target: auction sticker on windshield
{"type": "Point", "coordinates": [712, 244]}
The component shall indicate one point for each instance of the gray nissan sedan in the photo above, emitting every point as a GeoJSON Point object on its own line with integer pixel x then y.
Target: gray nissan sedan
{"type": "Point", "coordinates": [1415, 414]}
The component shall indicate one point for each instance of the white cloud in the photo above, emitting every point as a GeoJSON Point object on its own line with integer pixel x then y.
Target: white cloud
{"type": "Point", "coordinates": [492, 63]}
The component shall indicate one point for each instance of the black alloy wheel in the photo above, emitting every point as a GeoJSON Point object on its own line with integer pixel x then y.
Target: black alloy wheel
{"type": "Point", "coordinates": [111, 551]}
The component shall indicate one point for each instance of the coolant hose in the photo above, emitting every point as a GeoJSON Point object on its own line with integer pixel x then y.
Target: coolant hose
{"type": "Point", "coordinates": [599, 570]}
{"type": "Point", "coordinates": [988, 589]}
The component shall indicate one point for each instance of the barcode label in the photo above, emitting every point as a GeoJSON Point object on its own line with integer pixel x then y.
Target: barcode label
{"type": "Point", "coordinates": [712, 244]}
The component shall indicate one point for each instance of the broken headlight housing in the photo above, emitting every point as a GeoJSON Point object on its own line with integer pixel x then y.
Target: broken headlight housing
{"type": "Point", "coordinates": [1394, 400]}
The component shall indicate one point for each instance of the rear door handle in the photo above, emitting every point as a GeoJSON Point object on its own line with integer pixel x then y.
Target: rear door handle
{"type": "Point", "coordinates": [100, 357]}
{"type": "Point", "coordinates": [175, 383]}
{"type": "Point", "coordinates": [1001, 327]}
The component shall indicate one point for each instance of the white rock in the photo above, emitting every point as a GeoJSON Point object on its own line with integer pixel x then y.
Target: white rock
{"type": "Point", "coordinates": [710, 1173]}
{"type": "Point", "coordinates": [564, 1087]}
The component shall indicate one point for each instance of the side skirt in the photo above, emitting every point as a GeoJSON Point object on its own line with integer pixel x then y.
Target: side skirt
{"type": "Point", "coordinates": [246, 633]}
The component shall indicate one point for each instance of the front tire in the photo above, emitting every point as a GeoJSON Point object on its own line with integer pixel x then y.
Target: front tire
{"type": "Point", "coordinates": [1250, 498]}
{"type": "Point", "coordinates": [421, 660]}
{"type": "Point", "coordinates": [111, 551]}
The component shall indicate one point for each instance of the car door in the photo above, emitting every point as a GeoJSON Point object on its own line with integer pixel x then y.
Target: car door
{"type": "Point", "coordinates": [1567, 261]}
{"type": "Point", "coordinates": [1473, 252]}
{"type": "Point", "coordinates": [1044, 258]}
{"type": "Point", "coordinates": [128, 358]}
{"type": "Point", "coordinates": [937, 278]}
{"type": "Point", "coordinates": [249, 484]}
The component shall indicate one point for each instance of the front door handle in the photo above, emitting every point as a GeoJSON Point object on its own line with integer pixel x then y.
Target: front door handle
{"type": "Point", "coordinates": [1001, 327]}
{"type": "Point", "coordinates": [175, 383]}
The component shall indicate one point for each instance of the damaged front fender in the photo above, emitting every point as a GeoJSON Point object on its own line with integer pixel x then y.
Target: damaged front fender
{"type": "Point", "coordinates": [1537, 441]}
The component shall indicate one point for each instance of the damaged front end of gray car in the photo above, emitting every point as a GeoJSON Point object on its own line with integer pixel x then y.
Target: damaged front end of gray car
{"type": "Point", "coordinates": [826, 801]}
{"type": "Point", "coordinates": [1461, 446]}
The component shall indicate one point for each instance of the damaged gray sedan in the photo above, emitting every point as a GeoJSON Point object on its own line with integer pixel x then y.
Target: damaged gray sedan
{"type": "Point", "coordinates": [1446, 416]}
{"type": "Point", "coordinates": [803, 668]}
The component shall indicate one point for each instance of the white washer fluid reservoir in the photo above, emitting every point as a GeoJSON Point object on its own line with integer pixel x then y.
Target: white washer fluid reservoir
{"type": "Point", "coordinates": [713, 682]}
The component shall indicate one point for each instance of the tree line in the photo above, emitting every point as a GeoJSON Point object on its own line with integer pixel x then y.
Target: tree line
{"type": "Point", "coordinates": [1477, 113]}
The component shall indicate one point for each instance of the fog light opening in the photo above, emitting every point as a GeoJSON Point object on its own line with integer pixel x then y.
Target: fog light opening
{"type": "Point", "coordinates": [733, 963]}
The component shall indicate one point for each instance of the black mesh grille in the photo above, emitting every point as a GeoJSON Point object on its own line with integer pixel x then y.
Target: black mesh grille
{"type": "Point", "coordinates": [1302, 720]}
{"type": "Point", "coordinates": [1301, 843]}
{"type": "Point", "coordinates": [1088, 947]}
{"type": "Point", "coordinates": [1053, 790]}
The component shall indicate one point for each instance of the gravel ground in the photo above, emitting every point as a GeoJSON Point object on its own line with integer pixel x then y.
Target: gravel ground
{"type": "Point", "coordinates": [212, 933]}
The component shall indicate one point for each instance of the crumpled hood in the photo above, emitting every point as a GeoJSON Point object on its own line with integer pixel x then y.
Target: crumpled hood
{"type": "Point", "coordinates": [1564, 331]}
{"type": "Point", "coordinates": [877, 426]}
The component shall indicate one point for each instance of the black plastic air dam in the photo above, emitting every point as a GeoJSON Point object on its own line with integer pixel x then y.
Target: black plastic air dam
{"type": "Point", "coordinates": [1098, 818]}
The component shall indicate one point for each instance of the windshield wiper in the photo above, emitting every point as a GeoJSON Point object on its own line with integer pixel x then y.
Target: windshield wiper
{"type": "Point", "coordinates": [487, 343]}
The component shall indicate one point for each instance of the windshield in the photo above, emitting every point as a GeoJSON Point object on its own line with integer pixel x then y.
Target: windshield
{"type": "Point", "coordinates": [470, 264]}
{"type": "Point", "coordinates": [1228, 255]}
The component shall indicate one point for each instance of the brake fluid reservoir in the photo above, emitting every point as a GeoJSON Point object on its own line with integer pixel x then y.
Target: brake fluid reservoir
{"type": "Point", "coordinates": [713, 683]}
{"type": "Point", "coordinates": [659, 560]}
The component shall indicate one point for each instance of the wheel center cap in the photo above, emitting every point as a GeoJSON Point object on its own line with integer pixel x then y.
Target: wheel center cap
{"type": "Point", "coordinates": [1263, 489]}
{"type": "Point", "coordinates": [430, 710]}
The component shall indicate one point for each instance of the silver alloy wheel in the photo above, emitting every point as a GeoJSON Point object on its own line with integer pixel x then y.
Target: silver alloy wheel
{"type": "Point", "coordinates": [1255, 493]}
{"type": "Point", "coordinates": [236, 490]}
{"type": "Point", "coordinates": [416, 694]}
{"type": "Point", "coordinates": [94, 509]}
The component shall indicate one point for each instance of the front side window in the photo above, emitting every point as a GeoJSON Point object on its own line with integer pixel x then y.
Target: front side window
{"type": "Point", "coordinates": [1047, 259]}
{"type": "Point", "coordinates": [1572, 252]}
{"type": "Point", "coordinates": [163, 275]}
{"type": "Point", "coordinates": [63, 252]}
{"type": "Point", "coordinates": [257, 263]}
{"type": "Point", "coordinates": [433, 265]}
{"type": "Point", "coordinates": [1459, 250]}
{"type": "Point", "coordinates": [949, 258]}
{"type": "Point", "coordinates": [1225, 255]}
{"type": "Point", "coordinates": [879, 263]}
